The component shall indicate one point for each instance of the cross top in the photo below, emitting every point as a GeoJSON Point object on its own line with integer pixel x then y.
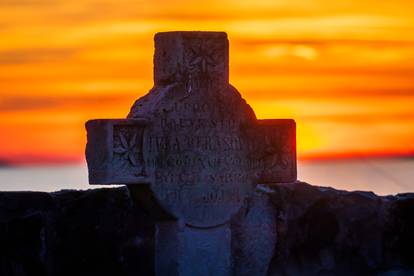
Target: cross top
{"type": "Point", "coordinates": [194, 58]}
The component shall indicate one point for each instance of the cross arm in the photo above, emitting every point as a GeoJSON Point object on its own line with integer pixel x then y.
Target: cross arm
{"type": "Point", "coordinates": [114, 151]}
{"type": "Point", "coordinates": [277, 138]}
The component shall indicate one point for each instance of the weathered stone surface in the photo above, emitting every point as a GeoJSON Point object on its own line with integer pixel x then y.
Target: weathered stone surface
{"type": "Point", "coordinates": [197, 150]}
{"type": "Point", "coordinates": [198, 145]}
{"type": "Point", "coordinates": [319, 231]}
{"type": "Point", "coordinates": [253, 235]}
{"type": "Point", "coordinates": [115, 151]}
{"type": "Point", "coordinates": [192, 138]}
{"type": "Point", "coordinates": [277, 138]}
{"type": "Point", "coordinates": [95, 232]}
{"type": "Point", "coordinates": [195, 59]}
{"type": "Point", "coordinates": [200, 251]}
{"type": "Point", "coordinates": [23, 226]}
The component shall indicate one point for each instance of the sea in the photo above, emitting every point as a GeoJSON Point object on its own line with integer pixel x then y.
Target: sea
{"type": "Point", "coordinates": [383, 176]}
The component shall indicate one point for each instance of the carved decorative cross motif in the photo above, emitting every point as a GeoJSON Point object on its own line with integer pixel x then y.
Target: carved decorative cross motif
{"type": "Point", "coordinates": [114, 151]}
{"type": "Point", "coordinates": [202, 58]}
{"type": "Point", "coordinates": [200, 154]}
{"type": "Point", "coordinates": [127, 149]}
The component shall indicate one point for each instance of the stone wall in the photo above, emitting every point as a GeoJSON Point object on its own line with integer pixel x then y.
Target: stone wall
{"type": "Point", "coordinates": [319, 231]}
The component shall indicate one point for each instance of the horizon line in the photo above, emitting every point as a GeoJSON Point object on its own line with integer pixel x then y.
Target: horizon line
{"type": "Point", "coordinates": [36, 160]}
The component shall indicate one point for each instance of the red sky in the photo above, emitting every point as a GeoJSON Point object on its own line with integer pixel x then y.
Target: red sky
{"type": "Point", "coordinates": [344, 70]}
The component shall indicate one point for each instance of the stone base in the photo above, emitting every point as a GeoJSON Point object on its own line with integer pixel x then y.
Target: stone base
{"type": "Point", "coordinates": [289, 229]}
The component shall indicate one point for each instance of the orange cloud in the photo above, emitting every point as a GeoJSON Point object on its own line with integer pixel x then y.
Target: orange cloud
{"type": "Point", "coordinates": [344, 70]}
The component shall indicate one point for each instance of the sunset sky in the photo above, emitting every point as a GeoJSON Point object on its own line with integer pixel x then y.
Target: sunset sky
{"type": "Point", "coordinates": [344, 70]}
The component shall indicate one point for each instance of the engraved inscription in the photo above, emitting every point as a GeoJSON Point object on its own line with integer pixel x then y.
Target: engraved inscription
{"type": "Point", "coordinates": [185, 142]}
{"type": "Point", "coordinates": [199, 159]}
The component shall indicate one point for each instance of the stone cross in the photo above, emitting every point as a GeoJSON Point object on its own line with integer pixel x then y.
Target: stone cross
{"type": "Point", "coordinates": [193, 148]}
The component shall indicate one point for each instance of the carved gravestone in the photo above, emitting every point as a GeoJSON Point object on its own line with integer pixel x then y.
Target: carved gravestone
{"type": "Point", "coordinates": [198, 147]}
